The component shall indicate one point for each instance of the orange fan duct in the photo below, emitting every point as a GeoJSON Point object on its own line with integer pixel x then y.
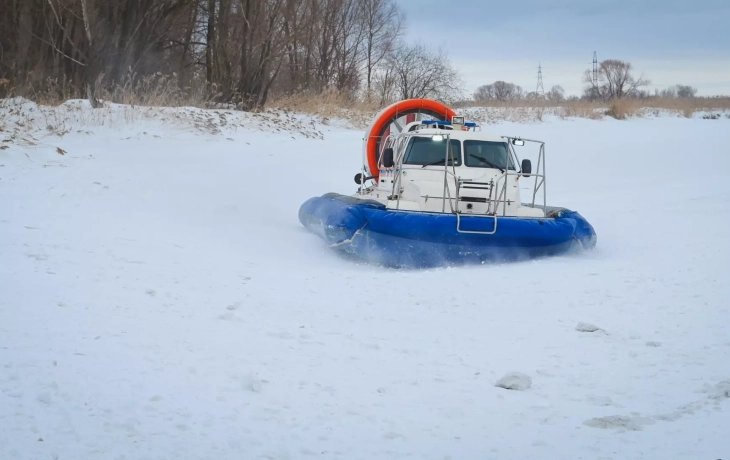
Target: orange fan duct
{"type": "Point", "coordinates": [380, 128]}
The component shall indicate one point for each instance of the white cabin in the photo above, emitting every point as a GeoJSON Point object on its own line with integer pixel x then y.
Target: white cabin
{"type": "Point", "coordinates": [450, 167]}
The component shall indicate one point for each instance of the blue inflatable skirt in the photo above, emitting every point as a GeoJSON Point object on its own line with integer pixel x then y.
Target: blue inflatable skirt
{"type": "Point", "coordinates": [370, 231]}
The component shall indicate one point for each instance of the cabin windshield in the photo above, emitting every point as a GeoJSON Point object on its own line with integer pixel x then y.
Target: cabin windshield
{"type": "Point", "coordinates": [427, 151]}
{"type": "Point", "coordinates": [485, 154]}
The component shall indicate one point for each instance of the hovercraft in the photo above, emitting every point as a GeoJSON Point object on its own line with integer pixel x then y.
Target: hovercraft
{"type": "Point", "coordinates": [435, 190]}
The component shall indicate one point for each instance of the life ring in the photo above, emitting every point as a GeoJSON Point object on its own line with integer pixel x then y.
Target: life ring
{"type": "Point", "coordinates": [380, 128]}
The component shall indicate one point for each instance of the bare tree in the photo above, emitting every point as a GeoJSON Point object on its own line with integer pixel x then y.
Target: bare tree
{"type": "Point", "coordinates": [615, 81]}
{"type": "Point", "coordinates": [556, 94]}
{"type": "Point", "coordinates": [679, 91]}
{"type": "Point", "coordinates": [237, 51]}
{"type": "Point", "coordinates": [24, 37]}
{"type": "Point", "coordinates": [262, 48]}
{"type": "Point", "coordinates": [498, 91]}
{"type": "Point", "coordinates": [504, 91]}
{"type": "Point", "coordinates": [484, 93]}
{"type": "Point", "coordinates": [383, 24]}
{"type": "Point", "coordinates": [93, 67]}
{"type": "Point", "coordinates": [348, 47]}
{"type": "Point", "coordinates": [686, 91]}
{"type": "Point", "coordinates": [420, 73]}
{"type": "Point", "coordinates": [299, 27]}
{"type": "Point", "coordinates": [210, 43]}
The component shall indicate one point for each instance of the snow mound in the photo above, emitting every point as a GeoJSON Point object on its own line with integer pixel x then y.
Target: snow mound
{"type": "Point", "coordinates": [514, 381]}
{"type": "Point", "coordinates": [25, 123]}
{"type": "Point", "coordinates": [587, 327]}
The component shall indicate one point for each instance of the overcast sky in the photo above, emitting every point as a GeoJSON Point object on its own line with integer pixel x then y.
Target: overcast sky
{"type": "Point", "coordinates": [669, 41]}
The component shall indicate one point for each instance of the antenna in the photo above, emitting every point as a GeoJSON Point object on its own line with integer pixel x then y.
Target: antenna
{"type": "Point", "coordinates": [540, 91]}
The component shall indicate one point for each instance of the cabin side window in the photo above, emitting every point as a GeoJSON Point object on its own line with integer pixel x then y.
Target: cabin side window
{"type": "Point", "coordinates": [427, 151]}
{"type": "Point", "coordinates": [485, 154]}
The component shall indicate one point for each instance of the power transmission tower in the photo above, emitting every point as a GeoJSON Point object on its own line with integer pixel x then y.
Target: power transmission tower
{"type": "Point", "coordinates": [595, 70]}
{"type": "Point", "coordinates": [540, 91]}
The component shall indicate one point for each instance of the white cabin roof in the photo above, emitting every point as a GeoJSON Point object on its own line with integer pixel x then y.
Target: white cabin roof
{"type": "Point", "coordinates": [461, 135]}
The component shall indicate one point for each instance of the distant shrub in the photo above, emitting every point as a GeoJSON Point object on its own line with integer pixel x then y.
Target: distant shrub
{"type": "Point", "coordinates": [581, 109]}
{"type": "Point", "coordinates": [622, 109]}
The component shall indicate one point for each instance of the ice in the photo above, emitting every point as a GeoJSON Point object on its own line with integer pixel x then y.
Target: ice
{"type": "Point", "coordinates": [160, 299]}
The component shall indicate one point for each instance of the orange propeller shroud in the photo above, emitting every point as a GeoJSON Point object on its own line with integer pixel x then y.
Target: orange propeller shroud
{"type": "Point", "coordinates": [393, 112]}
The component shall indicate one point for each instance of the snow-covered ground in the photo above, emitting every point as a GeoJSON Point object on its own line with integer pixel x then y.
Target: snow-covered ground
{"type": "Point", "coordinates": [160, 300]}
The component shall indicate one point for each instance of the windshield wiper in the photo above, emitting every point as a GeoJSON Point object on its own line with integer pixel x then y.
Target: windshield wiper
{"type": "Point", "coordinates": [434, 163]}
{"type": "Point", "coordinates": [484, 160]}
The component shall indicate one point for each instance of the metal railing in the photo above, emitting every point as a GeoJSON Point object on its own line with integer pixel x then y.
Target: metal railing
{"type": "Point", "coordinates": [536, 174]}
{"type": "Point", "coordinates": [497, 194]}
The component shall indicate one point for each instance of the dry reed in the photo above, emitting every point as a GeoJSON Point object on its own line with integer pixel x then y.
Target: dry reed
{"type": "Point", "coordinates": [161, 90]}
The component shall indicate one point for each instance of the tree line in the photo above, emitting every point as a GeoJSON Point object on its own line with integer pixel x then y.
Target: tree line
{"type": "Point", "coordinates": [242, 52]}
{"type": "Point", "coordinates": [503, 91]}
{"type": "Point", "coordinates": [239, 51]}
{"type": "Point", "coordinates": [613, 79]}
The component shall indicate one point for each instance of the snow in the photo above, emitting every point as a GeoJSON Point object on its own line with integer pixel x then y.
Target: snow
{"type": "Point", "coordinates": [515, 381]}
{"type": "Point", "coordinates": [620, 422]}
{"type": "Point", "coordinates": [587, 327]}
{"type": "Point", "coordinates": [159, 299]}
